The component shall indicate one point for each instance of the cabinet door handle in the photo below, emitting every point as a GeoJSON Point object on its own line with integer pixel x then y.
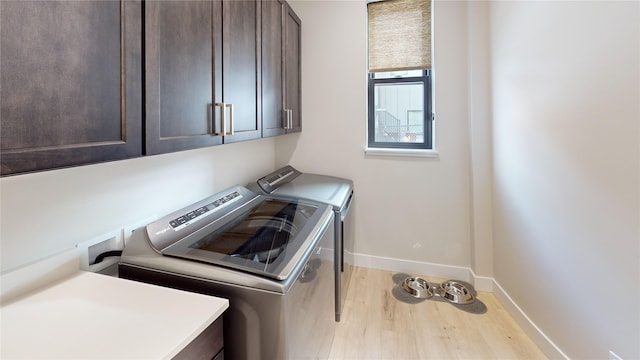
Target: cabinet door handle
{"type": "Point", "coordinates": [223, 119]}
{"type": "Point", "coordinates": [289, 119]}
{"type": "Point", "coordinates": [230, 106]}
{"type": "Point", "coordinates": [285, 120]}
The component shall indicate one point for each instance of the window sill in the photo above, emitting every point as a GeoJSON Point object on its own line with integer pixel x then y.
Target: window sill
{"type": "Point", "coordinates": [432, 154]}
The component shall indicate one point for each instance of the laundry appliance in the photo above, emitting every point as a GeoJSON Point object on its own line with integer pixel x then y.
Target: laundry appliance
{"type": "Point", "coordinates": [334, 191]}
{"type": "Point", "coordinates": [272, 257]}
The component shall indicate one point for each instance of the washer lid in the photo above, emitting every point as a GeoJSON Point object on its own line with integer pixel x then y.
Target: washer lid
{"type": "Point", "coordinates": [269, 237]}
{"type": "Point", "coordinates": [139, 254]}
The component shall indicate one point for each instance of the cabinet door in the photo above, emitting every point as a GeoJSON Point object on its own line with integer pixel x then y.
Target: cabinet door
{"type": "Point", "coordinates": [292, 69]}
{"type": "Point", "coordinates": [180, 55]}
{"type": "Point", "coordinates": [240, 68]}
{"type": "Point", "coordinates": [71, 83]}
{"type": "Point", "coordinates": [272, 68]}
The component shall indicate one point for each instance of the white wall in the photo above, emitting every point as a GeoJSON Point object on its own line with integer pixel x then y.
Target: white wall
{"type": "Point", "coordinates": [48, 212]}
{"type": "Point", "coordinates": [566, 104]}
{"type": "Point", "coordinates": [480, 138]}
{"type": "Point", "coordinates": [544, 166]}
{"type": "Point", "coordinates": [405, 208]}
{"type": "Point", "coordinates": [566, 202]}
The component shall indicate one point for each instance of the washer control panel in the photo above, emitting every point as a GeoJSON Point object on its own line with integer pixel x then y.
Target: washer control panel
{"type": "Point", "coordinates": [201, 212]}
{"type": "Point", "coordinates": [173, 227]}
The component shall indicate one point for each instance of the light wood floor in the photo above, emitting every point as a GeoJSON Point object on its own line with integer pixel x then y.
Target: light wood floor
{"type": "Point", "coordinates": [376, 325]}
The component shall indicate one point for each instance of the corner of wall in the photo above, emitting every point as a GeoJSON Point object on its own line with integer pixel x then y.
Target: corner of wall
{"type": "Point", "coordinates": [547, 346]}
{"type": "Point", "coordinates": [480, 138]}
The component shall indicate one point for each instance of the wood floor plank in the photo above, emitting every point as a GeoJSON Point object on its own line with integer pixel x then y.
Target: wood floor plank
{"type": "Point", "coordinates": [378, 323]}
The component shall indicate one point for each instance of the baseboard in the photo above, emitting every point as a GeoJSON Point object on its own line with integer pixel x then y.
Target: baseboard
{"type": "Point", "coordinates": [529, 327]}
{"type": "Point", "coordinates": [481, 283]}
{"type": "Point", "coordinates": [411, 267]}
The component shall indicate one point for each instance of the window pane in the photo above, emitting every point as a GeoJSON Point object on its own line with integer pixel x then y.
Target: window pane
{"type": "Point", "coordinates": [399, 113]}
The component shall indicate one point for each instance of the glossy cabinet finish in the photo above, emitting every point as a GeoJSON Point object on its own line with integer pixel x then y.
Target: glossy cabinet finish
{"type": "Point", "coordinates": [281, 69]}
{"type": "Point", "coordinates": [71, 83]}
{"type": "Point", "coordinates": [198, 56]}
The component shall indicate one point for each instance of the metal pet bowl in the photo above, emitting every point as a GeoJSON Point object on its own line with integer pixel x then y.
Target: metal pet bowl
{"type": "Point", "coordinates": [417, 287]}
{"type": "Point", "coordinates": [456, 292]}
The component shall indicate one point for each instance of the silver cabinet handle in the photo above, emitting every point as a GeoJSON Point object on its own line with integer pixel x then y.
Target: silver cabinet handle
{"type": "Point", "coordinates": [289, 119]}
{"type": "Point", "coordinates": [231, 123]}
{"type": "Point", "coordinates": [223, 119]}
{"type": "Point", "coordinates": [285, 120]}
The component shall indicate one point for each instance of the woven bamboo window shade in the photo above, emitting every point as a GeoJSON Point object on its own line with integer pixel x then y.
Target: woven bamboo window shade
{"type": "Point", "coordinates": [399, 35]}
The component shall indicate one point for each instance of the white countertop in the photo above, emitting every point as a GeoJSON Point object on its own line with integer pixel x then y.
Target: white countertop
{"type": "Point", "coordinates": [93, 316]}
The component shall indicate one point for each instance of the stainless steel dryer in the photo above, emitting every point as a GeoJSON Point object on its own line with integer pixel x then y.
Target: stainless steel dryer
{"type": "Point", "coordinates": [271, 257]}
{"type": "Point", "coordinates": [334, 191]}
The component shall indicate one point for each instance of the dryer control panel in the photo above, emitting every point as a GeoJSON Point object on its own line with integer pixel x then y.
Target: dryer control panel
{"type": "Point", "coordinates": [271, 182]}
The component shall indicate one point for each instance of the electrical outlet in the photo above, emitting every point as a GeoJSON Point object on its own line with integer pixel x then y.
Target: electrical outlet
{"type": "Point", "coordinates": [90, 249]}
{"type": "Point", "coordinates": [613, 356]}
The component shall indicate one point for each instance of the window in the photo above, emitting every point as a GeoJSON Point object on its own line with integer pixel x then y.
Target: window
{"type": "Point", "coordinates": [399, 94]}
{"type": "Point", "coordinates": [400, 109]}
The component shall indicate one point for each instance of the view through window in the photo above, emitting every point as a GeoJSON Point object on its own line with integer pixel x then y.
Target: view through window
{"type": "Point", "coordinates": [399, 109]}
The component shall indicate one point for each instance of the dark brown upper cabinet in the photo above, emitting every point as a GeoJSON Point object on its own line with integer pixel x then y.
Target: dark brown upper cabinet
{"type": "Point", "coordinates": [293, 70]}
{"type": "Point", "coordinates": [71, 83]}
{"type": "Point", "coordinates": [85, 81]}
{"type": "Point", "coordinates": [281, 69]}
{"type": "Point", "coordinates": [201, 73]}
